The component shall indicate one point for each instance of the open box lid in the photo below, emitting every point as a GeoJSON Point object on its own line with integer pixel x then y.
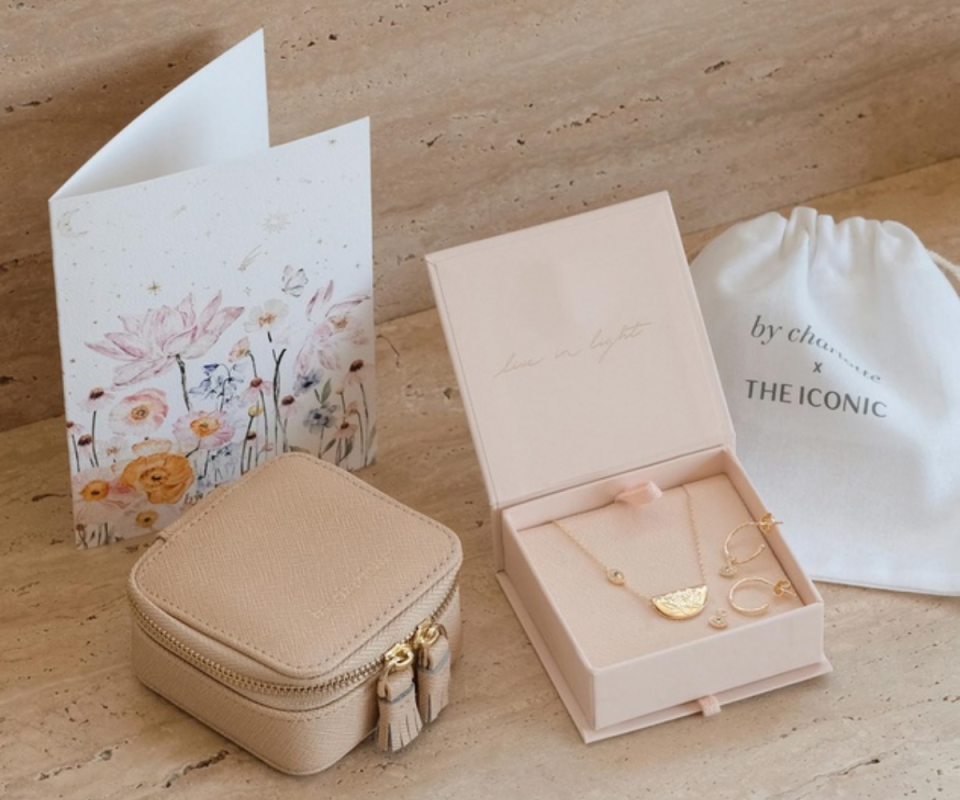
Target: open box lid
{"type": "Point", "coordinates": [579, 349]}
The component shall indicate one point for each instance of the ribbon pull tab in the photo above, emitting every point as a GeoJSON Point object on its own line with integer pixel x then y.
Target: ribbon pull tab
{"type": "Point", "coordinates": [399, 722]}
{"type": "Point", "coordinates": [433, 671]}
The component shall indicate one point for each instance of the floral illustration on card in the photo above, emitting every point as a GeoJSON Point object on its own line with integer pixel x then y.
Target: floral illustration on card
{"type": "Point", "coordinates": [213, 316]}
{"type": "Point", "coordinates": [203, 391]}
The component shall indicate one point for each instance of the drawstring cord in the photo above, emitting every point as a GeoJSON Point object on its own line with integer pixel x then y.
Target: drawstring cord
{"type": "Point", "coordinates": [948, 268]}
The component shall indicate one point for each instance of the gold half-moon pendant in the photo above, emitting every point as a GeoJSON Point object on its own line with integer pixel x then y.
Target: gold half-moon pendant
{"type": "Point", "coordinates": [682, 603]}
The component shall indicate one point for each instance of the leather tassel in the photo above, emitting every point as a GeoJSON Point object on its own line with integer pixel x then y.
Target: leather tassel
{"type": "Point", "coordinates": [399, 722]}
{"type": "Point", "coordinates": [433, 679]}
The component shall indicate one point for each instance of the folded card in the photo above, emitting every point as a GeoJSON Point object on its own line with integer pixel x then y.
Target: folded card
{"type": "Point", "coordinates": [214, 299]}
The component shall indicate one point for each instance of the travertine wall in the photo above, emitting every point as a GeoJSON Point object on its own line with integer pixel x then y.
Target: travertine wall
{"type": "Point", "coordinates": [487, 116]}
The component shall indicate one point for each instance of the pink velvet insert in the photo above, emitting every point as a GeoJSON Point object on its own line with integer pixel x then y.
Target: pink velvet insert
{"type": "Point", "coordinates": [652, 544]}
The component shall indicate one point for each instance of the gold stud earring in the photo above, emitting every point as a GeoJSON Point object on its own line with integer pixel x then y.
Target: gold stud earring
{"type": "Point", "coordinates": [780, 588]}
{"type": "Point", "coordinates": [719, 619]}
{"type": "Point", "coordinates": [764, 525]}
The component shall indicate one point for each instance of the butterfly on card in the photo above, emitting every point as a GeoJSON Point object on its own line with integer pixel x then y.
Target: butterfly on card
{"type": "Point", "coordinates": [294, 281]}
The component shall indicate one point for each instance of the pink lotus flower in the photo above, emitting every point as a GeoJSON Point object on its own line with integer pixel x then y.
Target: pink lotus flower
{"type": "Point", "coordinates": [153, 342]}
{"type": "Point", "coordinates": [336, 325]}
{"type": "Point", "coordinates": [203, 430]}
{"type": "Point", "coordinates": [140, 413]}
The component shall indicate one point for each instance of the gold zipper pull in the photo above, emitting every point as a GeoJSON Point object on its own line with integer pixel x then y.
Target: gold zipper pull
{"type": "Point", "coordinates": [425, 637]}
{"type": "Point", "coordinates": [399, 722]}
{"type": "Point", "coordinates": [433, 669]}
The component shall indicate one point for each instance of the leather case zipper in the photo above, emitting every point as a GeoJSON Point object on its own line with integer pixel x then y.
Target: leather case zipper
{"type": "Point", "coordinates": [411, 643]}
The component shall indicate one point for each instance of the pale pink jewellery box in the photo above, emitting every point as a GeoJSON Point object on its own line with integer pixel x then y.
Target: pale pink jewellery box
{"type": "Point", "coordinates": [586, 375]}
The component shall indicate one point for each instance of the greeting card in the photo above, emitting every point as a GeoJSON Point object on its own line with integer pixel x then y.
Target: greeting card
{"type": "Point", "coordinates": [214, 299]}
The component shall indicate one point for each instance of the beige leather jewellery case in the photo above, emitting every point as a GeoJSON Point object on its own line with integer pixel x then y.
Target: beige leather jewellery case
{"type": "Point", "coordinates": [298, 610]}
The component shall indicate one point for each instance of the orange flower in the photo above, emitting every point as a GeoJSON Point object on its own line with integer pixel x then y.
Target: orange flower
{"type": "Point", "coordinates": [205, 426]}
{"type": "Point", "coordinates": [95, 490]}
{"type": "Point", "coordinates": [148, 518]}
{"type": "Point", "coordinates": [163, 477]}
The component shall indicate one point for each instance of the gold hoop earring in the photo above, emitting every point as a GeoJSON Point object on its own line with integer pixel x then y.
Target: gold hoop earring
{"type": "Point", "coordinates": [764, 525]}
{"type": "Point", "coordinates": [780, 588]}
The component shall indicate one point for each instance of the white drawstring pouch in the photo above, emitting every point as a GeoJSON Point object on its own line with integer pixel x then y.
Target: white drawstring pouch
{"type": "Point", "coordinates": [838, 345]}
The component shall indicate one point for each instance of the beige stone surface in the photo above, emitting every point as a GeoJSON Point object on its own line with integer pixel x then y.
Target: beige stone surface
{"type": "Point", "coordinates": [74, 722]}
{"type": "Point", "coordinates": [486, 116]}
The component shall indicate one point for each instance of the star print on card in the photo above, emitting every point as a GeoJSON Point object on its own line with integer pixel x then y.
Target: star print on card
{"type": "Point", "coordinates": [212, 311]}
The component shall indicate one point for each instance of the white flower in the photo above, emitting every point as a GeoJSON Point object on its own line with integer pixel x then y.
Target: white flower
{"type": "Point", "coordinates": [140, 413]}
{"type": "Point", "coordinates": [99, 497]}
{"type": "Point", "coordinates": [267, 317]}
{"type": "Point", "coordinates": [204, 430]}
{"type": "Point", "coordinates": [151, 518]}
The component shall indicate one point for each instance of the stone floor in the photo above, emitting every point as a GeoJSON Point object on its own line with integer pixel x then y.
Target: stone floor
{"type": "Point", "coordinates": [75, 723]}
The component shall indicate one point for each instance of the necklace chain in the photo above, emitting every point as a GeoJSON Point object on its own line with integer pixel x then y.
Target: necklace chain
{"type": "Point", "coordinates": [616, 576]}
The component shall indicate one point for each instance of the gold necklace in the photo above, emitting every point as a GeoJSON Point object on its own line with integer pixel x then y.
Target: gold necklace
{"type": "Point", "coordinates": [677, 605]}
